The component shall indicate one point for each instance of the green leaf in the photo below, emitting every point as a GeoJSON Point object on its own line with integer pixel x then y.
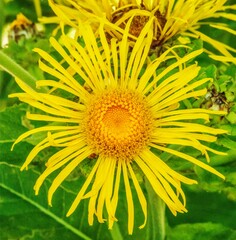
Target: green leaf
{"type": "Point", "coordinates": [20, 185]}
{"type": "Point", "coordinates": [11, 123]}
{"type": "Point", "coordinates": [231, 128]}
{"type": "Point", "coordinates": [205, 207]}
{"type": "Point", "coordinates": [36, 215]}
{"type": "Point", "coordinates": [201, 231]}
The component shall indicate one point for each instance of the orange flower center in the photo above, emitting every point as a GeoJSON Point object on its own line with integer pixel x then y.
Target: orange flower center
{"type": "Point", "coordinates": [121, 16]}
{"type": "Point", "coordinates": [117, 124]}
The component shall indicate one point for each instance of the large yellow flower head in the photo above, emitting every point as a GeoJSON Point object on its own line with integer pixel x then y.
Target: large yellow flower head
{"type": "Point", "coordinates": [172, 18]}
{"type": "Point", "coordinates": [122, 112]}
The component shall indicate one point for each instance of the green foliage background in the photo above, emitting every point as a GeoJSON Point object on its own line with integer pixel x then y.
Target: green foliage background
{"type": "Point", "coordinates": [211, 204]}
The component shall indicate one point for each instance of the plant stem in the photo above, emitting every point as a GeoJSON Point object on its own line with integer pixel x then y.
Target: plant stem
{"type": "Point", "coordinates": [2, 20]}
{"type": "Point", "coordinates": [16, 70]}
{"type": "Point", "coordinates": [156, 219]}
{"type": "Point", "coordinates": [115, 232]}
{"type": "Point", "coordinates": [38, 8]}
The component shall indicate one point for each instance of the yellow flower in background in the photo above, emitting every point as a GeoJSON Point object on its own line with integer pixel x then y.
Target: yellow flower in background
{"type": "Point", "coordinates": [172, 18]}
{"type": "Point", "coordinates": [123, 113]}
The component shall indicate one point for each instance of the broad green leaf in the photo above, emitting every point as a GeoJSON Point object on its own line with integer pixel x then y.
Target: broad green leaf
{"type": "Point", "coordinates": [11, 123]}
{"type": "Point", "coordinates": [201, 231]}
{"type": "Point", "coordinates": [35, 214]}
{"type": "Point", "coordinates": [204, 206]}
{"type": "Point", "coordinates": [231, 128]}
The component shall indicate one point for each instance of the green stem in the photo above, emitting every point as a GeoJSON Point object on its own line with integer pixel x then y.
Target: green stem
{"type": "Point", "coordinates": [156, 213]}
{"type": "Point", "coordinates": [115, 232]}
{"type": "Point", "coordinates": [38, 8]}
{"type": "Point", "coordinates": [16, 70]}
{"type": "Point", "coordinates": [2, 20]}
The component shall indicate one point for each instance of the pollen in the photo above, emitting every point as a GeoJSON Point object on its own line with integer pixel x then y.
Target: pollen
{"type": "Point", "coordinates": [118, 124]}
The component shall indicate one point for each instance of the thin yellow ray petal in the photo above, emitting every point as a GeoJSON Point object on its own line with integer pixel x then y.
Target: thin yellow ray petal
{"type": "Point", "coordinates": [62, 142]}
{"type": "Point", "coordinates": [185, 116]}
{"type": "Point", "coordinates": [215, 151]}
{"type": "Point", "coordinates": [114, 199]}
{"type": "Point", "coordinates": [82, 65]}
{"type": "Point", "coordinates": [190, 159]}
{"type": "Point", "coordinates": [103, 190]}
{"type": "Point", "coordinates": [180, 91]}
{"type": "Point", "coordinates": [155, 183]}
{"type": "Point", "coordinates": [25, 88]}
{"type": "Point", "coordinates": [173, 83]}
{"type": "Point", "coordinates": [110, 182]}
{"type": "Point", "coordinates": [167, 134]}
{"type": "Point", "coordinates": [191, 142]}
{"type": "Point", "coordinates": [151, 69]}
{"type": "Point", "coordinates": [123, 53]}
{"type": "Point", "coordinates": [140, 194]}
{"type": "Point", "coordinates": [129, 198]}
{"type": "Point", "coordinates": [229, 16]}
{"type": "Point", "coordinates": [42, 117]}
{"type": "Point", "coordinates": [164, 181]}
{"type": "Point", "coordinates": [233, 7]}
{"type": "Point", "coordinates": [65, 74]}
{"type": "Point", "coordinates": [94, 53]}
{"type": "Point", "coordinates": [106, 193]}
{"type": "Point", "coordinates": [92, 208]}
{"type": "Point", "coordinates": [223, 58]}
{"type": "Point", "coordinates": [170, 192]}
{"type": "Point", "coordinates": [100, 178]}
{"type": "Point", "coordinates": [42, 129]}
{"type": "Point", "coordinates": [188, 111]}
{"type": "Point", "coordinates": [63, 153]}
{"type": "Point", "coordinates": [60, 103]}
{"type": "Point", "coordinates": [38, 148]}
{"type": "Point", "coordinates": [53, 72]}
{"type": "Point", "coordinates": [139, 54]}
{"type": "Point", "coordinates": [90, 73]}
{"type": "Point", "coordinates": [63, 158]}
{"type": "Point", "coordinates": [156, 163]}
{"type": "Point", "coordinates": [171, 67]}
{"type": "Point", "coordinates": [194, 127]}
{"type": "Point", "coordinates": [92, 5]}
{"type": "Point", "coordinates": [84, 188]}
{"type": "Point", "coordinates": [221, 47]}
{"type": "Point", "coordinates": [169, 8]}
{"type": "Point", "coordinates": [52, 107]}
{"type": "Point", "coordinates": [51, 83]}
{"type": "Point", "coordinates": [59, 12]}
{"type": "Point", "coordinates": [48, 141]}
{"type": "Point", "coordinates": [65, 172]}
{"type": "Point", "coordinates": [225, 28]}
{"type": "Point", "coordinates": [24, 97]}
{"type": "Point", "coordinates": [175, 98]}
{"type": "Point", "coordinates": [168, 177]}
{"type": "Point", "coordinates": [107, 51]}
{"type": "Point", "coordinates": [134, 64]}
{"type": "Point", "coordinates": [114, 53]}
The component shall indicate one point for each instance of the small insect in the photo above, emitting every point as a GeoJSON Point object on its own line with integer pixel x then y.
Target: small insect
{"type": "Point", "coordinates": [217, 100]}
{"type": "Point", "coordinates": [21, 27]}
{"type": "Point", "coordinates": [93, 156]}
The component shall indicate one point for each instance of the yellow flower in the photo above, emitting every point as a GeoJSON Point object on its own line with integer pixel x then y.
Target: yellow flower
{"type": "Point", "coordinates": [172, 18]}
{"type": "Point", "coordinates": [123, 113]}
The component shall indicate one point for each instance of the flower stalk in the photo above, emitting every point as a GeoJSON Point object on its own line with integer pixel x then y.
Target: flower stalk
{"type": "Point", "coordinates": [156, 221]}
{"type": "Point", "coordinates": [10, 66]}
